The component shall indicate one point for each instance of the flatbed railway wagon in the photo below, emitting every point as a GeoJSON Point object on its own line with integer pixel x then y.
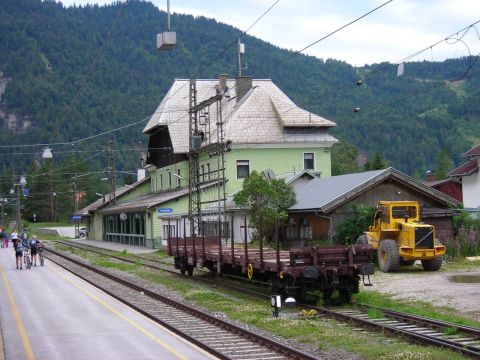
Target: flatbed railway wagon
{"type": "Point", "coordinates": [289, 272]}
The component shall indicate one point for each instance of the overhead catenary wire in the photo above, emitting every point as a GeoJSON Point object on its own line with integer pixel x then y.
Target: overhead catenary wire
{"type": "Point", "coordinates": [337, 30]}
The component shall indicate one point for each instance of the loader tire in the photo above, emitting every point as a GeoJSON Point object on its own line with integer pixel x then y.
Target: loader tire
{"type": "Point", "coordinates": [432, 264]}
{"type": "Point", "coordinates": [362, 240]}
{"type": "Point", "coordinates": [388, 258]}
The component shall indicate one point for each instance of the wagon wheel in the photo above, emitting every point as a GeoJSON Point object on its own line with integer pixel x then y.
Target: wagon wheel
{"type": "Point", "coordinates": [250, 271]}
{"type": "Point", "coordinates": [190, 270]}
{"type": "Point", "coordinates": [388, 258]}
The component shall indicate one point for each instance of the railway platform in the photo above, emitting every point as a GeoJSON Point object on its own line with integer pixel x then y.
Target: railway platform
{"type": "Point", "coordinates": [48, 313]}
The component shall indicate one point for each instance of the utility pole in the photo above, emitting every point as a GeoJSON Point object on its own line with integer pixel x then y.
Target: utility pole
{"type": "Point", "coordinates": [2, 200]}
{"type": "Point", "coordinates": [201, 142]}
{"type": "Point", "coordinates": [51, 195]}
{"type": "Point", "coordinates": [240, 52]}
{"type": "Point", "coordinates": [21, 183]}
{"type": "Point", "coordinates": [111, 169]}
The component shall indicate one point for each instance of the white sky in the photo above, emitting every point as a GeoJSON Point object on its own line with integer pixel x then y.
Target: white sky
{"type": "Point", "coordinates": [392, 33]}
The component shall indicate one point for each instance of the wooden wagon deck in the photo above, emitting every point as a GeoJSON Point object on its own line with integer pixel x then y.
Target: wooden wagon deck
{"type": "Point", "coordinates": [265, 259]}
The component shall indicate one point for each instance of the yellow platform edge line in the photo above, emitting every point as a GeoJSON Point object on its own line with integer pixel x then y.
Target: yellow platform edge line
{"type": "Point", "coordinates": [18, 320]}
{"type": "Point", "coordinates": [123, 317]}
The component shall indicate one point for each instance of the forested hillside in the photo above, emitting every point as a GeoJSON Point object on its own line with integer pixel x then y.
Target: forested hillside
{"type": "Point", "coordinates": [72, 73]}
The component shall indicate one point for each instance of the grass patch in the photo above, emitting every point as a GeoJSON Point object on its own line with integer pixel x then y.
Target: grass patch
{"type": "Point", "coordinates": [461, 264]}
{"type": "Point", "coordinates": [373, 313]}
{"type": "Point", "coordinates": [451, 331]}
{"type": "Point", "coordinates": [114, 265]}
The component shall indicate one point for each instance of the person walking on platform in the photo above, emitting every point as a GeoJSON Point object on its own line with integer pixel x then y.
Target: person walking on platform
{"type": "Point", "coordinates": [18, 247]}
{"type": "Point", "coordinates": [6, 238]}
{"type": "Point", "coordinates": [24, 237]}
{"type": "Point", "coordinates": [34, 243]}
{"type": "Point", "coordinates": [3, 238]}
{"type": "Point", "coordinates": [14, 237]}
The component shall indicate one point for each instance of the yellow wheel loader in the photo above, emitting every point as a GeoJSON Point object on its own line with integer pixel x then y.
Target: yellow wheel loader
{"type": "Point", "coordinates": [400, 238]}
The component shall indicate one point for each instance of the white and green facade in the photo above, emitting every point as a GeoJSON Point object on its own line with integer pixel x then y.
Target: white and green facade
{"type": "Point", "coordinates": [266, 130]}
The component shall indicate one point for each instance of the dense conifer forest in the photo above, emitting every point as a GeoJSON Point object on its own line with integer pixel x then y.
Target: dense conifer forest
{"type": "Point", "coordinates": [71, 73]}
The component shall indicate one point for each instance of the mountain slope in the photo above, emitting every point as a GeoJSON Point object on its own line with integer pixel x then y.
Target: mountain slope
{"type": "Point", "coordinates": [60, 87]}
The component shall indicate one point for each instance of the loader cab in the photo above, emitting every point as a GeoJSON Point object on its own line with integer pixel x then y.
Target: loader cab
{"type": "Point", "coordinates": [395, 212]}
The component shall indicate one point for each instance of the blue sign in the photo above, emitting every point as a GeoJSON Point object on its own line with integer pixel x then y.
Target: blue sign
{"type": "Point", "coordinates": [26, 192]}
{"type": "Point", "coordinates": [76, 217]}
{"type": "Point", "coordinates": [165, 210]}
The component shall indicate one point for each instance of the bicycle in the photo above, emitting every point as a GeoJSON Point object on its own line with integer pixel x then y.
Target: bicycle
{"type": "Point", "coordinates": [27, 260]}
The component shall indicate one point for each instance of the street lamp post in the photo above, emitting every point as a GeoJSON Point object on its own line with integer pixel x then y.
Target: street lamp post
{"type": "Point", "coordinates": [3, 201]}
{"type": "Point", "coordinates": [20, 185]}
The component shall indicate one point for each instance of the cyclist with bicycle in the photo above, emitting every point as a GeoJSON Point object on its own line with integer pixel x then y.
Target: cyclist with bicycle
{"type": "Point", "coordinates": [26, 248]}
{"type": "Point", "coordinates": [17, 245]}
{"type": "Point", "coordinates": [34, 244]}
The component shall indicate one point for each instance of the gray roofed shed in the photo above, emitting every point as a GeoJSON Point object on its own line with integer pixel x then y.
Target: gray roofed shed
{"type": "Point", "coordinates": [324, 203]}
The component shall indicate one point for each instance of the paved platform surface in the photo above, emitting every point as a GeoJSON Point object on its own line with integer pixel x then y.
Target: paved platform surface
{"type": "Point", "coordinates": [47, 313]}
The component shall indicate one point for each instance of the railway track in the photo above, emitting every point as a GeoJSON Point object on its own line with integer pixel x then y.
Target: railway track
{"type": "Point", "coordinates": [413, 328]}
{"type": "Point", "coordinates": [417, 329]}
{"type": "Point", "coordinates": [220, 338]}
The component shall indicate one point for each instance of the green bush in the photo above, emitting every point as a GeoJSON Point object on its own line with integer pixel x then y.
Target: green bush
{"type": "Point", "coordinates": [462, 224]}
{"type": "Point", "coordinates": [349, 230]}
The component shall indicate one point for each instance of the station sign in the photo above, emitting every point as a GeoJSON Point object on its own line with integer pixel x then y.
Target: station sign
{"type": "Point", "coordinates": [165, 210]}
{"type": "Point", "coordinates": [76, 217]}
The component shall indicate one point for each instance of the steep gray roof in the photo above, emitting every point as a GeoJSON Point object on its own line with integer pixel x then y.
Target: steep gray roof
{"type": "Point", "coordinates": [104, 201]}
{"type": "Point", "coordinates": [260, 117]}
{"type": "Point", "coordinates": [325, 194]}
{"type": "Point", "coordinates": [144, 202]}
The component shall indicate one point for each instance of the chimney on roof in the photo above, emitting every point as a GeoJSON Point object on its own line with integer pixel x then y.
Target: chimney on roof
{"type": "Point", "coordinates": [243, 84]}
{"type": "Point", "coordinates": [430, 176]}
{"type": "Point", "coordinates": [222, 82]}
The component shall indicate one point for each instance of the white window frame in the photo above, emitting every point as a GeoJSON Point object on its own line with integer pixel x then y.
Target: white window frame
{"type": "Point", "coordinates": [242, 163]}
{"type": "Point", "coordinates": [312, 159]}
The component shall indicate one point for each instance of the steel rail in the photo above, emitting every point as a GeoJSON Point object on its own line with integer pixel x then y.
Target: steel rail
{"type": "Point", "coordinates": [470, 330]}
{"type": "Point", "coordinates": [410, 335]}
